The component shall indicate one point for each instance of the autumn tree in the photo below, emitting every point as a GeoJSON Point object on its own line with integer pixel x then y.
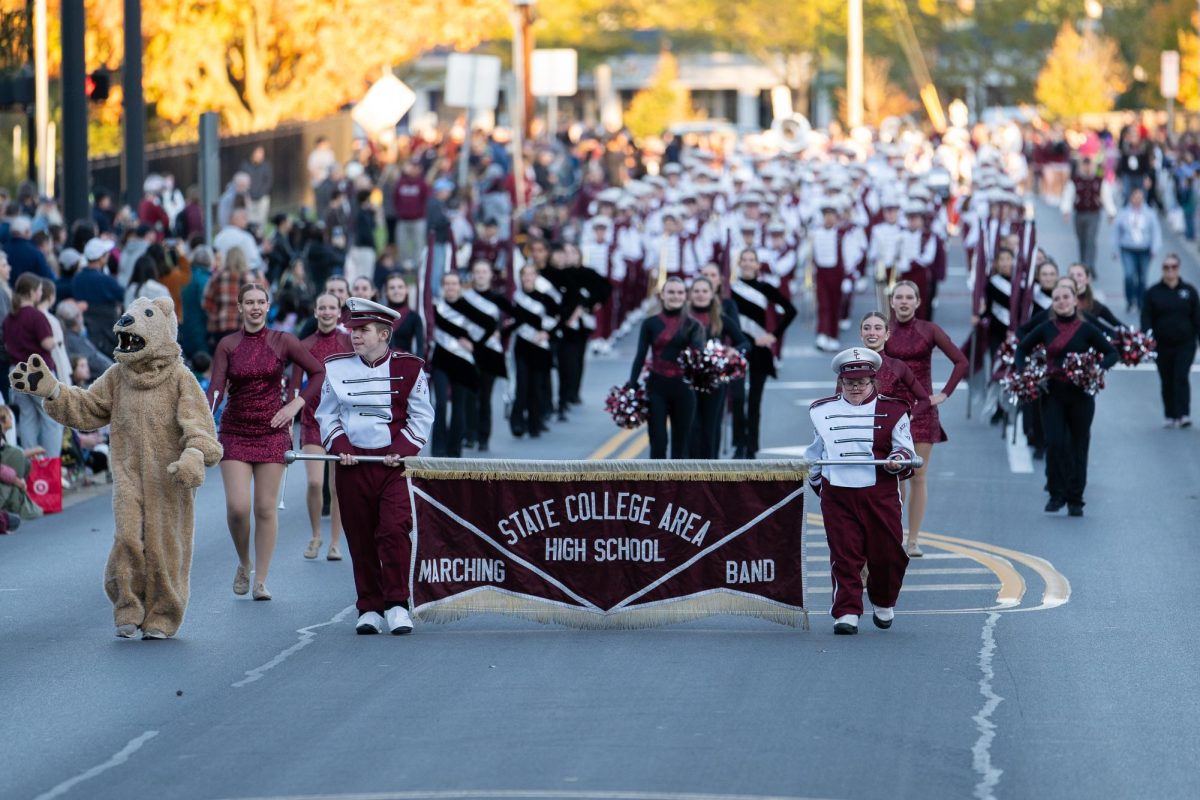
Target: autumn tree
{"type": "Point", "coordinates": [661, 104]}
{"type": "Point", "coordinates": [1083, 74]}
{"type": "Point", "coordinates": [260, 62]}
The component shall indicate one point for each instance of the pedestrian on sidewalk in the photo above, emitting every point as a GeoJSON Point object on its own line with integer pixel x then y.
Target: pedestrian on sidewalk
{"type": "Point", "coordinates": [1137, 235]}
{"type": "Point", "coordinates": [1172, 312]}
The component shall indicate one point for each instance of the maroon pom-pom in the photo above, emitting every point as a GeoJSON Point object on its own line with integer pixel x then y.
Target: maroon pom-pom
{"type": "Point", "coordinates": [627, 405]}
{"type": "Point", "coordinates": [1083, 370]}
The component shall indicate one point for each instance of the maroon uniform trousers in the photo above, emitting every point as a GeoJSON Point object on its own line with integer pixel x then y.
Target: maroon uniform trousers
{"type": "Point", "coordinates": [829, 299]}
{"type": "Point", "coordinates": [863, 527]}
{"type": "Point", "coordinates": [378, 521]}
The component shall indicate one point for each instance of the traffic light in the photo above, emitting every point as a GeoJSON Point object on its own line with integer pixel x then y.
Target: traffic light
{"type": "Point", "coordinates": [96, 85]}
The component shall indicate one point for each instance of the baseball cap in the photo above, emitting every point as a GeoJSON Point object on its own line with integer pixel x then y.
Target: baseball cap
{"type": "Point", "coordinates": [96, 249]}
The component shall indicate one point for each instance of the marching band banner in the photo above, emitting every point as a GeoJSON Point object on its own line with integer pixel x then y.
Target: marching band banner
{"type": "Point", "coordinates": [616, 544]}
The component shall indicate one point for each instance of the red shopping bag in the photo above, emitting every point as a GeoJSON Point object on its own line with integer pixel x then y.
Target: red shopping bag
{"type": "Point", "coordinates": [44, 484]}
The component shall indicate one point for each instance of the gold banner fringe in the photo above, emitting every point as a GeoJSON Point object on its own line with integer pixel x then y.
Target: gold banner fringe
{"type": "Point", "coordinates": [477, 469]}
{"type": "Point", "coordinates": [685, 609]}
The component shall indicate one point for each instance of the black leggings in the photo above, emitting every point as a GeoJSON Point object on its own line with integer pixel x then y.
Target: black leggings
{"type": "Point", "coordinates": [670, 397]}
{"type": "Point", "coordinates": [1067, 413]}
{"type": "Point", "coordinates": [746, 414]}
{"type": "Point", "coordinates": [1174, 365]}
{"type": "Point", "coordinates": [533, 387]}
{"type": "Point", "coordinates": [706, 431]}
{"type": "Point", "coordinates": [479, 416]}
{"type": "Point", "coordinates": [448, 434]}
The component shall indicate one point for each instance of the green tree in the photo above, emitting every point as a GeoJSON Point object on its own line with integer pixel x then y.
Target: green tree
{"type": "Point", "coordinates": [661, 104]}
{"type": "Point", "coordinates": [1083, 74]}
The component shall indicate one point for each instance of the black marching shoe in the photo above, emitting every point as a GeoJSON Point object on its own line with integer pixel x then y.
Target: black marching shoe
{"type": "Point", "coordinates": [846, 625]}
{"type": "Point", "coordinates": [1075, 510]}
{"type": "Point", "coordinates": [1054, 505]}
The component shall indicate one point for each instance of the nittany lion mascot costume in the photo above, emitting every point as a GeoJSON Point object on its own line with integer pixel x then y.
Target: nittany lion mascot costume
{"type": "Point", "coordinates": [162, 439]}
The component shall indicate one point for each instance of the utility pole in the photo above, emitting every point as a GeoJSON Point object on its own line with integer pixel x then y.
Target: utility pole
{"type": "Point", "coordinates": [41, 98]}
{"type": "Point", "coordinates": [75, 114]}
{"type": "Point", "coordinates": [525, 21]}
{"type": "Point", "coordinates": [854, 64]}
{"type": "Point", "coordinates": [135, 105]}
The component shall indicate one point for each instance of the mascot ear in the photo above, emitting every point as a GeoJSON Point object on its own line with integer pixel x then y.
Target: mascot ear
{"type": "Point", "coordinates": [165, 304]}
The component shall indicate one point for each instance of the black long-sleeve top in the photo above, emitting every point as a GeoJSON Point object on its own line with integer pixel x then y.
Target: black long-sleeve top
{"type": "Point", "coordinates": [1173, 314]}
{"type": "Point", "coordinates": [1100, 316]}
{"type": "Point", "coordinates": [665, 336]}
{"type": "Point", "coordinates": [1085, 336]}
{"type": "Point", "coordinates": [731, 328]}
{"type": "Point", "coordinates": [408, 332]}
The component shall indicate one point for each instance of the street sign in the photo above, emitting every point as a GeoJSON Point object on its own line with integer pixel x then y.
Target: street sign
{"type": "Point", "coordinates": [555, 73]}
{"type": "Point", "coordinates": [1169, 74]}
{"type": "Point", "coordinates": [472, 82]}
{"type": "Point", "coordinates": [384, 104]}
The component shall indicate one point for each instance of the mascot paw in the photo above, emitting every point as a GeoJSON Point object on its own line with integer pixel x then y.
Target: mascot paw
{"type": "Point", "coordinates": [34, 377]}
{"type": "Point", "coordinates": [189, 469]}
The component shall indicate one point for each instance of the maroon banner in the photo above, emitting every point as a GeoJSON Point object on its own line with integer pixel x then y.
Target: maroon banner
{"type": "Point", "coordinates": [607, 544]}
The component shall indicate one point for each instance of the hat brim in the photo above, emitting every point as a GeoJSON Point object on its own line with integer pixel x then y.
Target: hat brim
{"type": "Point", "coordinates": [857, 371]}
{"type": "Point", "coordinates": [362, 322]}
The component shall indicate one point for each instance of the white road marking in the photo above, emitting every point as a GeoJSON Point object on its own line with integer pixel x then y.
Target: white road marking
{"type": "Point", "coordinates": [911, 572]}
{"type": "Point", "coordinates": [951, 587]}
{"type": "Point", "coordinates": [117, 760]}
{"type": "Point", "coordinates": [1020, 460]}
{"type": "Point", "coordinates": [805, 402]}
{"type": "Point", "coordinates": [989, 774]}
{"type": "Point", "coordinates": [307, 635]}
{"type": "Point", "coordinates": [1143, 367]}
{"type": "Point", "coordinates": [526, 794]}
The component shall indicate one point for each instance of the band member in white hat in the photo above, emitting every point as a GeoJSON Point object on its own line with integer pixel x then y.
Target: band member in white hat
{"type": "Point", "coordinates": [861, 502]}
{"type": "Point", "coordinates": [375, 401]}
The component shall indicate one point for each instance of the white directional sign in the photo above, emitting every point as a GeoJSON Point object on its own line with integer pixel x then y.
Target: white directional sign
{"type": "Point", "coordinates": [1169, 74]}
{"type": "Point", "coordinates": [384, 104]}
{"type": "Point", "coordinates": [555, 73]}
{"type": "Point", "coordinates": [472, 81]}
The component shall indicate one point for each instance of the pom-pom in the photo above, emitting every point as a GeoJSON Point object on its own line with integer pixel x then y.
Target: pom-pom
{"type": "Point", "coordinates": [627, 405]}
{"type": "Point", "coordinates": [708, 368]}
{"type": "Point", "coordinates": [1024, 385]}
{"type": "Point", "coordinates": [1134, 347]}
{"type": "Point", "coordinates": [1083, 370]}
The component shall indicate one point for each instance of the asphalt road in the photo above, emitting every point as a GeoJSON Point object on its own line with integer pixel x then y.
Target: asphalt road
{"type": "Point", "coordinates": [1080, 682]}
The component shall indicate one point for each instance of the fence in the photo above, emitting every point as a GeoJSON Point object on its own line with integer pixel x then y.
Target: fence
{"type": "Point", "coordinates": [287, 150]}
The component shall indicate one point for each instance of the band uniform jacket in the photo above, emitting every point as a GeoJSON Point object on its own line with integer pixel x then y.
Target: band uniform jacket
{"type": "Point", "coordinates": [877, 429]}
{"type": "Point", "coordinates": [374, 408]}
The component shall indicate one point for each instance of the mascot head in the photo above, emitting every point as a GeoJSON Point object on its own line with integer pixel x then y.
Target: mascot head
{"type": "Point", "coordinates": [146, 335]}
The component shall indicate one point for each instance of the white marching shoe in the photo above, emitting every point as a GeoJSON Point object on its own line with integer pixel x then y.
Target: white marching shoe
{"type": "Point", "coordinates": [846, 625]}
{"type": "Point", "coordinates": [398, 621]}
{"type": "Point", "coordinates": [883, 617]}
{"type": "Point", "coordinates": [369, 623]}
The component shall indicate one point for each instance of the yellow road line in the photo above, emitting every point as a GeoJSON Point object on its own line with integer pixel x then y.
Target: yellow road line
{"type": "Point", "coordinates": [1058, 588]}
{"type": "Point", "coordinates": [616, 440]}
{"type": "Point", "coordinates": [635, 448]}
{"type": "Point", "coordinates": [1012, 585]}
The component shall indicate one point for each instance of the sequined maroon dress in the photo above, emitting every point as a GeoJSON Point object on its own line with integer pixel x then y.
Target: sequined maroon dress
{"type": "Point", "coordinates": [913, 342]}
{"type": "Point", "coordinates": [321, 346]}
{"type": "Point", "coordinates": [249, 368]}
{"type": "Point", "coordinates": [895, 379]}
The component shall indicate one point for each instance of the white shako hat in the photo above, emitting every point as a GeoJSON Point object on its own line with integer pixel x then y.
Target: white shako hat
{"type": "Point", "coordinates": [364, 312]}
{"type": "Point", "coordinates": [857, 361]}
